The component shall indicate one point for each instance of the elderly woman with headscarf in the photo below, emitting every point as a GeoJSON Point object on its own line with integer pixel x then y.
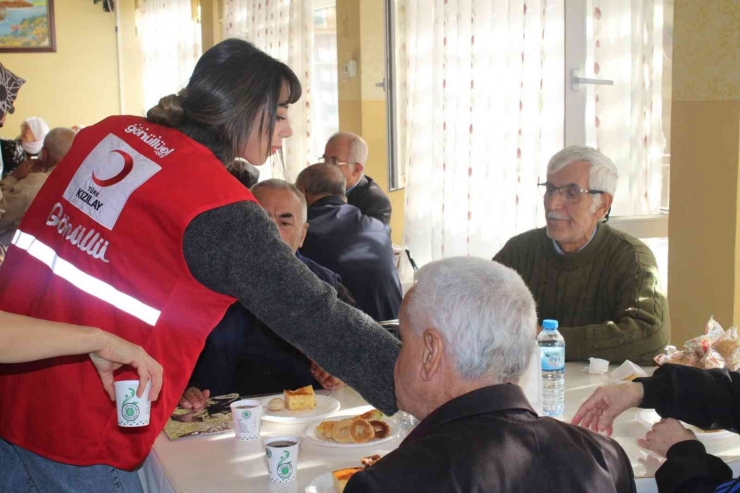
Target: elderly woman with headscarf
{"type": "Point", "coordinates": [11, 151]}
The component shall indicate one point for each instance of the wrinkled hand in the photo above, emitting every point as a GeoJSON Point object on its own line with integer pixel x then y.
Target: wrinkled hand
{"type": "Point", "coordinates": [195, 398]}
{"type": "Point", "coordinates": [665, 434]}
{"type": "Point", "coordinates": [326, 380]}
{"type": "Point", "coordinates": [606, 403]}
{"type": "Point", "coordinates": [23, 170]}
{"type": "Point", "coordinates": [118, 352]}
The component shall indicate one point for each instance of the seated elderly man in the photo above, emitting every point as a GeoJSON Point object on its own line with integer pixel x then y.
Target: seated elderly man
{"type": "Point", "coordinates": [349, 152]}
{"type": "Point", "coordinates": [21, 186]}
{"type": "Point", "coordinates": [242, 354]}
{"type": "Point", "coordinates": [468, 328]}
{"type": "Point", "coordinates": [355, 246]}
{"type": "Point", "coordinates": [601, 284]}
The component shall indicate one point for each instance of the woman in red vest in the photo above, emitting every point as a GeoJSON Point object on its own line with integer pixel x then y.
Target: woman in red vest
{"type": "Point", "coordinates": [142, 232]}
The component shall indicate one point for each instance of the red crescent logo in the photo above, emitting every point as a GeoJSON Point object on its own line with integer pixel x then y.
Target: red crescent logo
{"type": "Point", "coordinates": [128, 165]}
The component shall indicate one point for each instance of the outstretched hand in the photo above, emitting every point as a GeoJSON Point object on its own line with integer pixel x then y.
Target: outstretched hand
{"type": "Point", "coordinates": [605, 404]}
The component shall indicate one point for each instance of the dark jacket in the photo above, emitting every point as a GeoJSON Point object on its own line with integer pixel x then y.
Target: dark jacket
{"type": "Point", "coordinates": [490, 440]}
{"type": "Point", "coordinates": [358, 248]}
{"type": "Point", "coordinates": [709, 399]}
{"type": "Point", "coordinates": [243, 355]}
{"type": "Point", "coordinates": [367, 196]}
{"type": "Point", "coordinates": [12, 155]}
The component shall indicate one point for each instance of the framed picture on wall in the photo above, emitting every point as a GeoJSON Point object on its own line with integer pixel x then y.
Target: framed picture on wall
{"type": "Point", "coordinates": [27, 26]}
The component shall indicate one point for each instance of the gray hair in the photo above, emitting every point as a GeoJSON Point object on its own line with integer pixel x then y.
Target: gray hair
{"type": "Point", "coordinates": [57, 143]}
{"type": "Point", "coordinates": [484, 311]}
{"type": "Point", "coordinates": [356, 146]}
{"type": "Point", "coordinates": [276, 184]}
{"type": "Point", "coordinates": [321, 179]}
{"type": "Point", "coordinates": [602, 175]}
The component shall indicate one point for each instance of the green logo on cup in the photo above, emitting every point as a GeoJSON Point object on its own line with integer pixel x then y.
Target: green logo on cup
{"type": "Point", "coordinates": [130, 410]}
{"type": "Point", "coordinates": [284, 469]}
{"type": "Point", "coordinates": [269, 454]}
{"type": "Point", "coordinates": [246, 414]}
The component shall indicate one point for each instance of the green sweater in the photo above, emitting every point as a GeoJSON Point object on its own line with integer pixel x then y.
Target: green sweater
{"type": "Point", "coordinates": [606, 297]}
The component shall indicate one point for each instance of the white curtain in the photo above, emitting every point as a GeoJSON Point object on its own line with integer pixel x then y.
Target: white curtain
{"type": "Point", "coordinates": [284, 30]}
{"type": "Point", "coordinates": [484, 93]}
{"type": "Point", "coordinates": [171, 44]}
{"type": "Point", "coordinates": [625, 44]}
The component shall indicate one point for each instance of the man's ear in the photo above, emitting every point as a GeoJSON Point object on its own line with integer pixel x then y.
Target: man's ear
{"type": "Point", "coordinates": [432, 350]}
{"type": "Point", "coordinates": [303, 235]}
{"type": "Point", "coordinates": [358, 169]}
{"type": "Point", "coordinates": [606, 204]}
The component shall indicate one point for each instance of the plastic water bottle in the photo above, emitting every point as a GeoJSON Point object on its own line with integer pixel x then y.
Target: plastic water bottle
{"type": "Point", "coordinates": [552, 351]}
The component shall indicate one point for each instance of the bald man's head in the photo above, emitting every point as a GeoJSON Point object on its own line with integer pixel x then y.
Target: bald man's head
{"type": "Point", "coordinates": [57, 144]}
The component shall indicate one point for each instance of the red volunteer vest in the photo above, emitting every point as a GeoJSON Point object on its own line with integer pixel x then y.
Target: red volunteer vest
{"type": "Point", "coordinates": [101, 245]}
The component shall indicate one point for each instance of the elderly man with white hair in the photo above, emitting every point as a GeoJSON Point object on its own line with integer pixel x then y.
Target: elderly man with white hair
{"type": "Point", "coordinates": [468, 329]}
{"type": "Point", "coordinates": [349, 152]}
{"type": "Point", "coordinates": [599, 283]}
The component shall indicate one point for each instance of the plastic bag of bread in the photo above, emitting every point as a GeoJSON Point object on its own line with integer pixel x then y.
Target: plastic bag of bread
{"type": "Point", "coordinates": [728, 346]}
{"type": "Point", "coordinates": [673, 356]}
{"type": "Point", "coordinates": [712, 332]}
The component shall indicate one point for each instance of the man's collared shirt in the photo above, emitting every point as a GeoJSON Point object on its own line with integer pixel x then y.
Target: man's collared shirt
{"type": "Point", "coordinates": [560, 250]}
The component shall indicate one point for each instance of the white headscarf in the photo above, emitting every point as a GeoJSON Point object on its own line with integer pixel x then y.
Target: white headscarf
{"type": "Point", "coordinates": [39, 129]}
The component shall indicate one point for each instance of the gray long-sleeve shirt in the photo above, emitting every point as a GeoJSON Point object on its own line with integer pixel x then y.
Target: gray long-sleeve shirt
{"type": "Point", "coordinates": [236, 250]}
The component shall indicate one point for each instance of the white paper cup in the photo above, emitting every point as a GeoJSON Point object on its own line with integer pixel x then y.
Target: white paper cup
{"type": "Point", "coordinates": [132, 411]}
{"type": "Point", "coordinates": [247, 420]}
{"type": "Point", "coordinates": [282, 461]}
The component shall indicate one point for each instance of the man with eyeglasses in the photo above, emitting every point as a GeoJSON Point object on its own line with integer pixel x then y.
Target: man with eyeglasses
{"type": "Point", "coordinates": [349, 152]}
{"type": "Point", "coordinates": [601, 284]}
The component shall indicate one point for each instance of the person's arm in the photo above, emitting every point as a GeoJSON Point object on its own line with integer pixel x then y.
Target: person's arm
{"type": "Point", "coordinates": [690, 469]}
{"type": "Point", "coordinates": [709, 399]}
{"type": "Point", "coordinates": [380, 208]}
{"type": "Point", "coordinates": [17, 196]}
{"type": "Point", "coordinates": [24, 339]}
{"type": "Point", "coordinates": [236, 250]}
{"type": "Point", "coordinates": [640, 325]}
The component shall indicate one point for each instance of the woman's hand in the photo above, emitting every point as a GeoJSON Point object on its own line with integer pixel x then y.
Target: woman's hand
{"type": "Point", "coordinates": [117, 352]}
{"type": "Point", "coordinates": [664, 435]}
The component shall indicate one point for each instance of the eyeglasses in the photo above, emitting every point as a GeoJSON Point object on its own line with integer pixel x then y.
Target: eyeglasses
{"type": "Point", "coordinates": [571, 192]}
{"type": "Point", "coordinates": [332, 160]}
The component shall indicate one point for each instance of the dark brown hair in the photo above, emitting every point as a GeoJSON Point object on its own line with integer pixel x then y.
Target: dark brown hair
{"type": "Point", "coordinates": [232, 82]}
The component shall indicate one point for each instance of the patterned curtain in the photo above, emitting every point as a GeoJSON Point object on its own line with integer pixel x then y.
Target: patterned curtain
{"type": "Point", "coordinates": [625, 44]}
{"type": "Point", "coordinates": [484, 112]}
{"type": "Point", "coordinates": [171, 44]}
{"type": "Point", "coordinates": [283, 29]}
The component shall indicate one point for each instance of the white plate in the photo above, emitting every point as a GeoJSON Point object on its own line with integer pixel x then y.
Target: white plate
{"type": "Point", "coordinates": [321, 484]}
{"type": "Point", "coordinates": [325, 407]}
{"type": "Point", "coordinates": [312, 436]}
{"type": "Point", "coordinates": [648, 417]}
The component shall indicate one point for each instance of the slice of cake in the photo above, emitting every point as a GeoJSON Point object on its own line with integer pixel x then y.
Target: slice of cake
{"type": "Point", "coordinates": [299, 399]}
{"type": "Point", "coordinates": [341, 477]}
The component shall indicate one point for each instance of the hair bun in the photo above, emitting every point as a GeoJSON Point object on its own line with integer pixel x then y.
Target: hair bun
{"type": "Point", "coordinates": [169, 112]}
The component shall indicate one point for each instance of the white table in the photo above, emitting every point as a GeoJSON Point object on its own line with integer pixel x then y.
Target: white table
{"type": "Point", "coordinates": [221, 464]}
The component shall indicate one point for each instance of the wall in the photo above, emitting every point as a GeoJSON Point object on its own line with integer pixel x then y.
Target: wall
{"type": "Point", "coordinates": [132, 60]}
{"type": "Point", "coordinates": [78, 83]}
{"type": "Point", "coordinates": [704, 227]}
{"type": "Point", "coordinates": [362, 105]}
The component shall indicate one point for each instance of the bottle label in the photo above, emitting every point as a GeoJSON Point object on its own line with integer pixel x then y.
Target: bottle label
{"type": "Point", "coordinates": [553, 358]}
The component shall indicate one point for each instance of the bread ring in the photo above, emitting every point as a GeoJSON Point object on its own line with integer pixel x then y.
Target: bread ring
{"type": "Point", "coordinates": [325, 428]}
{"type": "Point", "coordinates": [361, 431]}
{"type": "Point", "coordinates": [340, 431]}
{"type": "Point", "coordinates": [381, 428]}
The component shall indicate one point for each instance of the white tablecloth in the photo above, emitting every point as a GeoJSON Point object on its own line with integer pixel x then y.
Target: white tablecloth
{"type": "Point", "coordinates": [221, 464]}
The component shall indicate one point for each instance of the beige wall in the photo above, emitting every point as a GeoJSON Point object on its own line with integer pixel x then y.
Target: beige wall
{"type": "Point", "coordinates": [704, 274]}
{"type": "Point", "coordinates": [362, 107]}
{"type": "Point", "coordinates": [78, 83]}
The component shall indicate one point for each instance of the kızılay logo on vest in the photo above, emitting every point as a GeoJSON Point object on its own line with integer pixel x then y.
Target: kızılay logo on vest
{"type": "Point", "coordinates": [107, 178]}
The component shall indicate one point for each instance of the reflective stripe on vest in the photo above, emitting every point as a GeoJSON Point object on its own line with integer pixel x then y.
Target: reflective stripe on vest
{"type": "Point", "coordinates": [83, 281]}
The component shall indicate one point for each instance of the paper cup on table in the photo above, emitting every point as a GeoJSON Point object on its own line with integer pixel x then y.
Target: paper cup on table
{"type": "Point", "coordinates": [247, 416]}
{"type": "Point", "coordinates": [132, 411]}
{"type": "Point", "coordinates": [282, 458]}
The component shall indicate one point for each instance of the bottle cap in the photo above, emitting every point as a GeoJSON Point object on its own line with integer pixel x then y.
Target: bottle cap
{"type": "Point", "coordinates": [549, 324]}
